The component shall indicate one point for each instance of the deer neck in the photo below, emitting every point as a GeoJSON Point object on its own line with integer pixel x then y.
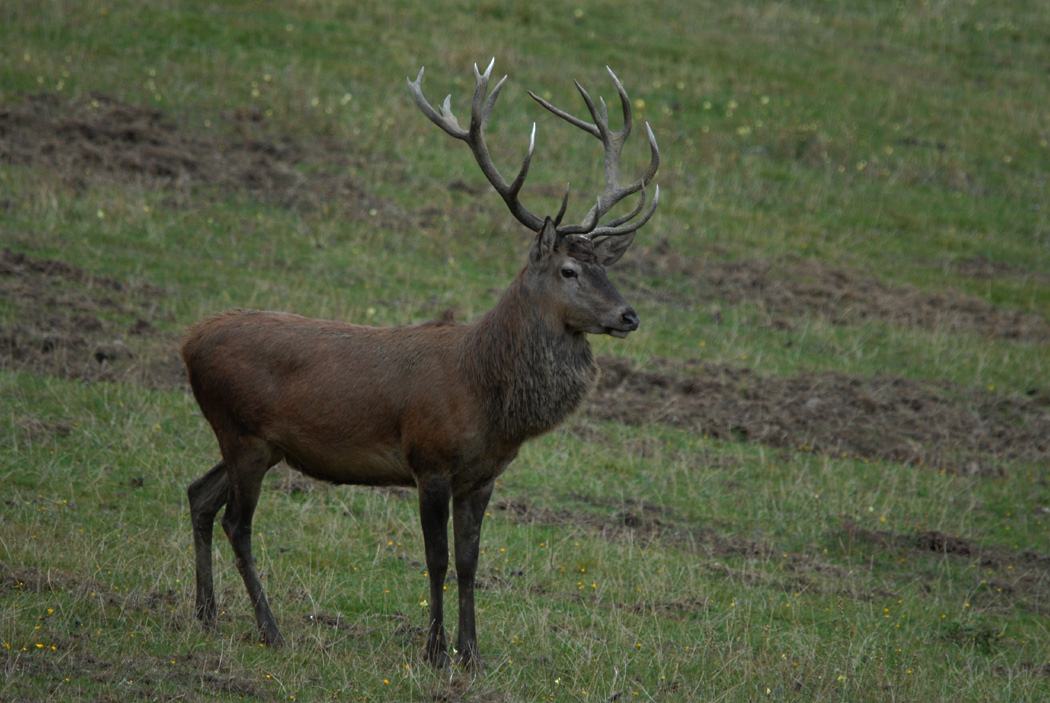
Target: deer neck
{"type": "Point", "coordinates": [528, 370]}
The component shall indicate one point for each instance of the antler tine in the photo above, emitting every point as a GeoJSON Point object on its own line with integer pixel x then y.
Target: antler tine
{"type": "Point", "coordinates": [480, 112]}
{"type": "Point", "coordinates": [571, 119]}
{"type": "Point", "coordinates": [601, 127]}
{"type": "Point", "coordinates": [564, 204]}
{"type": "Point", "coordinates": [625, 102]}
{"type": "Point", "coordinates": [613, 143]}
{"type": "Point", "coordinates": [486, 111]}
{"type": "Point", "coordinates": [480, 107]}
{"type": "Point", "coordinates": [654, 157]}
{"type": "Point", "coordinates": [444, 119]}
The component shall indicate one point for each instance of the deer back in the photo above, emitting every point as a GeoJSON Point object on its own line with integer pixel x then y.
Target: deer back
{"type": "Point", "coordinates": [337, 400]}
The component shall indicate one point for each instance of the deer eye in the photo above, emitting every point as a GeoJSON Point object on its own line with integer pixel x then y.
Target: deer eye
{"type": "Point", "coordinates": [568, 273]}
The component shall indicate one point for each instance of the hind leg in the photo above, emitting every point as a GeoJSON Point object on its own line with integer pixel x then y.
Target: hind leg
{"type": "Point", "coordinates": [246, 471]}
{"type": "Point", "coordinates": [207, 495]}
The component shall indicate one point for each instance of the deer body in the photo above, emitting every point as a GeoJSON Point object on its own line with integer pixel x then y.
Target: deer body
{"type": "Point", "coordinates": [354, 404]}
{"type": "Point", "coordinates": [441, 406]}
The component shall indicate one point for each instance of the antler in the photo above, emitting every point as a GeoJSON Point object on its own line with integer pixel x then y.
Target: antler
{"type": "Point", "coordinates": [613, 143]}
{"type": "Point", "coordinates": [481, 111]}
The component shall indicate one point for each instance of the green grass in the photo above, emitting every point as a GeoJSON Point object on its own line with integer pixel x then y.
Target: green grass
{"type": "Point", "coordinates": [620, 563]}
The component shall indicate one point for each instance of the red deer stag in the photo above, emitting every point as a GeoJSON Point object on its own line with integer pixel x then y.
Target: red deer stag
{"type": "Point", "coordinates": [441, 406]}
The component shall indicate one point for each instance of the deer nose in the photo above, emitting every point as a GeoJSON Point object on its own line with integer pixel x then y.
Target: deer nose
{"type": "Point", "coordinates": [629, 318]}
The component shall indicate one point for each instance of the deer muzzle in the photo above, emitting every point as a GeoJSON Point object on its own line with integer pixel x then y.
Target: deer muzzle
{"type": "Point", "coordinates": [628, 323]}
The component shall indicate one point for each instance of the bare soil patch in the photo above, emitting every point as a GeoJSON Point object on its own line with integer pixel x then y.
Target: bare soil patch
{"type": "Point", "coordinates": [634, 519]}
{"type": "Point", "coordinates": [883, 417]}
{"type": "Point", "coordinates": [1005, 579]}
{"type": "Point", "coordinates": [147, 677]}
{"type": "Point", "coordinates": [65, 322]}
{"type": "Point", "coordinates": [103, 140]}
{"type": "Point", "coordinates": [788, 289]}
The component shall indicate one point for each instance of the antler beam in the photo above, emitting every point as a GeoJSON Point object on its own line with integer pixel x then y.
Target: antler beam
{"type": "Point", "coordinates": [480, 112]}
{"type": "Point", "coordinates": [613, 142]}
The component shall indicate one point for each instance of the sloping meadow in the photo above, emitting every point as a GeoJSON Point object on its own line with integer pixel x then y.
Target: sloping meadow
{"type": "Point", "coordinates": [818, 471]}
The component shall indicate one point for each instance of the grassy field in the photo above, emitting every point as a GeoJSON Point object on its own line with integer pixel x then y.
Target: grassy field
{"type": "Point", "coordinates": [818, 472]}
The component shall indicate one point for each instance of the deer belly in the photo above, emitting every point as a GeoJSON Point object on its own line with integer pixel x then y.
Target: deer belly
{"type": "Point", "coordinates": [372, 466]}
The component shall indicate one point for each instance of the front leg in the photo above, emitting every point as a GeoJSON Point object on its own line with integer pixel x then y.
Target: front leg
{"type": "Point", "coordinates": [468, 512]}
{"type": "Point", "coordinates": [434, 495]}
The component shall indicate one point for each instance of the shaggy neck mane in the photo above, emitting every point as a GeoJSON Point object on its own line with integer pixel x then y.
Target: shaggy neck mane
{"type": "Point", "coordinates": [528, 370]}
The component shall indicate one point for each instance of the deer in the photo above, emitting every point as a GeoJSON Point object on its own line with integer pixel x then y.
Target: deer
{"type": "Point", "coordinates": [442, 407]}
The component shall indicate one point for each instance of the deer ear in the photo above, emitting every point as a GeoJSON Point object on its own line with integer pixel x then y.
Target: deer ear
{"type": "Point", "coordinates": [610, 249]}
{"type": "Point", "coordinates": [546, 241]}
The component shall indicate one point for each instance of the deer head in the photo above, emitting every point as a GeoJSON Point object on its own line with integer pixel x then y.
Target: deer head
{"type": "Point", "coordinates": [565, 260]}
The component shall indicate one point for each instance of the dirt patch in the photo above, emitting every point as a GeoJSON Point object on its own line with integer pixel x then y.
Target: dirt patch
{"type": "Point", "coordinates": [1005, 579]}
{"type": "Point", "coordinates": [786, 289]}
{"type": "Point", "coordinates": [634, 519]}
{"type": "Point", "coordinates": [337, 622]}
{"type": "Point", "coordinates": [676, 609]}
{"type": "Point", "coordinates": [981, 268]}
{"type": "Point", "coordinates": [183, 677]}
{"type": "Point", "coordinates": [71, 654]}
{"type": "Point", "coordinates": [31, 579]}
{"type": "Point", "coordinates": [62, 321]}
{"type": "Point", "coordinates": [888, 418]}
{"type": "Point", "coordinates": [101, 139]}
{"type": "Point", "coordinates": [34, 580]}
{"type": "Point", "coordinates": [950, 545]}
{"type": "Point", "coordinates": [34, 428]}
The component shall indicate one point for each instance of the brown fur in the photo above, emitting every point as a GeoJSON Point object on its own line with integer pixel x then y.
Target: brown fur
{"type": "Point", "coordinates": [441, 406]}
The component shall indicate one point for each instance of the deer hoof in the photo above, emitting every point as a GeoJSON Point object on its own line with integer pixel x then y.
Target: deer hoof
{"type": "Point", "coordinates": [273, 638]}
{"type": "Point", "coordinates": [438, 660]}
{"type": "Point", "coordinates": [473, 664]}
